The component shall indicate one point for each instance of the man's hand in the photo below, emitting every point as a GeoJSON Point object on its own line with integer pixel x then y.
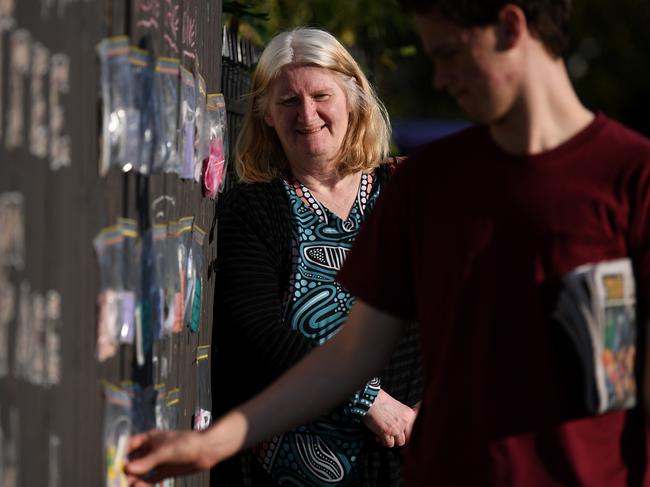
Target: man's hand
{"type": "Point", "coordinates": [390, 420]}
{"type": "Point", "coordinates": [156, 455]}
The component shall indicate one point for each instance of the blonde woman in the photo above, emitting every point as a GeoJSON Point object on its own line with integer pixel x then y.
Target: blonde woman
{"type": "Point", "coordinates": [311, 156]}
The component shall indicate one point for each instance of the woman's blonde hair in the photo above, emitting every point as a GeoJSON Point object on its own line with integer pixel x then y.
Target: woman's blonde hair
{"type": "Point", "coordinates": [259, 156]}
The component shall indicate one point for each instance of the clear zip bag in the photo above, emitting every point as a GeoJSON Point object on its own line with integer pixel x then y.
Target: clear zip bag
{"type": "Point", "coordinates": [202, 132]}
{"type": "Point", "coordinates": [215, 166]}
{"type": "Point", "coordinates": [166, 84]}
{"type": "Point", "coordinates": [117, 429]}
{"type": "Point", "coordinates": [186, 267]}
{"type": "Point", "coordinates": [129, 294]}
{"type": "Point", "coordinates": [120, 116]}
{"type": "Point", "coordinates": [174, 279]}
{"type": "Point", "coordinates": [203, 412]}
{"type": "Point", "coordinates": [141, 63]}
{"type": "Point", "coordinates": [159, 237]}
{"type": "Point", "coordinates": [187, 119]}
{"type": "Point", "coordinates": [109, 247]}
{"type": "Point", "coordinates": [196, 302]}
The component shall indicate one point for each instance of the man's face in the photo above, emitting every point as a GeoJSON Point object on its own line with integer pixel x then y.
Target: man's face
{"type": "Point", "coordinates": [469, 65]}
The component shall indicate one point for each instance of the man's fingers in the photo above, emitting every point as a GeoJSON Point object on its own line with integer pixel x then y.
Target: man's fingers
{"type": "Point", "coordinates": [137, 441]}
{"type": "Point", "coordinates": [150, 457]}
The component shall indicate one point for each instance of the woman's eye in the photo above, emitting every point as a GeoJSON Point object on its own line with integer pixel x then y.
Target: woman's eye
{"type": "Point", "coordinates": [321, 96]}
{"type": "Point", "coordinates": [287, 102]}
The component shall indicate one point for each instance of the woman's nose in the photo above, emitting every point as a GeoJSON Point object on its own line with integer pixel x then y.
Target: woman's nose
{"type": "Point", "coordinates": [307, 110]}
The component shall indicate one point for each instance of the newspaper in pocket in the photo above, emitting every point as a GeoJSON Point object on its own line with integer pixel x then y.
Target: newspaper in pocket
{"type": "Point", "coordinates": [597, 310]}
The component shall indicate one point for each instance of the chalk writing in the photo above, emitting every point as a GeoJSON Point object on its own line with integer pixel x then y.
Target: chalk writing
{"type": "Point", "coordinates": [29, 349]}
{"type": "Point", "coordinates": [59, 85]}
{"type": "Point", "coordinates": [37, 357]}
{"type": "Point", "coordinates": [61, 5]}
{"type": "Point", "coordinates": [6, 24]}
{"type": "Point", "coordinates": [7, 8]}
{"type": "Point", "coordinates": [7, 314]}
{"type": "Point", "coordinates": [52, 338]}
{"type": "Point", "coordinates": [18, 70]}
{"type": "Point", "coordinates": [2, 456]}
{"type": "Point", "coordinates": [29, 65]}
{"type": "Point", "coordinates": [38, 118]}
{"type": "Point", "coordinates": [12, 230]}
{"type": "Point", "coordinates": [189, 34]}
{"type": "Point", "coordinates": [149, 10]}
{"type": "Point", "coordinates": [9, 460]}
{"type": "Point", "coordinates": [54, 476]}
{"type": "Point", "coordinates": [172, 25]}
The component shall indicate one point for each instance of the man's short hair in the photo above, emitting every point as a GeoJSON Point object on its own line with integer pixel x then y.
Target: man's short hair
{"type": "Point", "coordinates": [548, 20]}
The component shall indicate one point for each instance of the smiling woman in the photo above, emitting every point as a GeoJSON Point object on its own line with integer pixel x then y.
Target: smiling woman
{"type": "Point", "coordinates": [311, 151]}
{"type": "Point", "coordinates": [309, 112]}
{"type": "Point", "coordinates": [365, 135]}
{"type": "Point", "coordinates": [312, 156]}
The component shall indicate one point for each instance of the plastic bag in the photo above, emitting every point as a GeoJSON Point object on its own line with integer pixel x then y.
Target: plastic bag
{"type": "Point", "coordinates": [172, 413]}
{"type": "Point", "coordinates": [109, 247]}
{"type": "Point", "coordinates": [117, 429]}
{"type": "Point", "coordinates": [202, 131]}
{"type": "Point", "coordinates": [175, 260]}
{"type": "Point", "coordinates": [159, 237]}
{"type": "Point", "coordinates": [165, 158]}
{"type": "Point", "coordinates": [130, 281]}
{"type": "Point", "coordinates": [141, 63]}
{"type": "Point", "coordinates": [215, 166]}
{"type": "Point", "coordinates": [143, 406]}
{"type": "Point", "coordinates": [120, 118]}
{"type": "Point", "coordinates": [186, 122]}
{"type": "Point", "coordinates": [186, 268]}
{"type": "Point", "coordinates": [160, 407]}
{"type": "Point", "coordinates": [203, 411]}
{"type": "Point", "coordinates": [196, 303]}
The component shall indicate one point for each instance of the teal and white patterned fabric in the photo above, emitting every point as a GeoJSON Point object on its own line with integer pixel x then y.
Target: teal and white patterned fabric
{"type": "Point", "coordinates": [326, 451]}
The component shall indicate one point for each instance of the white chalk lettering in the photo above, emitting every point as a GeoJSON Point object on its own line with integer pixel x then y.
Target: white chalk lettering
{"type": "Point", "coordinates": [38, 118]}
{"type": "Point", "coordinates": [18, 71]}
{"type": "Point", "coordinates": [59, 85]}
{"type": "Point", "coordinates": [7, 315]}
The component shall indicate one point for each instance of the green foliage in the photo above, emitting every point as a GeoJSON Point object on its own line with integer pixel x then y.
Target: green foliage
{"type": "Point", "coordinates": [607, 56]}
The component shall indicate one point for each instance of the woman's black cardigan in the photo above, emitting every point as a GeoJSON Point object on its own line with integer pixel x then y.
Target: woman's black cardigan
{"type": "Point", "coordinates": [251, 344]}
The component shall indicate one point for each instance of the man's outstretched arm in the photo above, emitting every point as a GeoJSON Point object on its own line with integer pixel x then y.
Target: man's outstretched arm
{"type": "Point", "coordinates": [322, 380]}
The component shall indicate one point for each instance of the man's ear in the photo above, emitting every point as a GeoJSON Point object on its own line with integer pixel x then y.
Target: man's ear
{"type": "Point", "coordinates": [511, 26]}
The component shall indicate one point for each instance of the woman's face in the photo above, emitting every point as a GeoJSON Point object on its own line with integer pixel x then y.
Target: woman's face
{"type": "Point", "coordinates": [309, 111]}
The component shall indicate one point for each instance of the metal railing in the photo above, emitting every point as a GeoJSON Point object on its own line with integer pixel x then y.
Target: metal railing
{"type": "Point", "coordinates": [238, 56]}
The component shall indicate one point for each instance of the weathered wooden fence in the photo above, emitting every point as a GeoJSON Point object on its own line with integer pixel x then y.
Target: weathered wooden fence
{"type": "Point", "coordinates": [54, 202]}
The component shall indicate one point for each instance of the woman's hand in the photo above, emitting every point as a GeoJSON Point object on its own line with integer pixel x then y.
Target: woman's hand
{"type": "Point", "coordinates": [156, 455]}
{"type": "Point", "coordinates": [390, 420]}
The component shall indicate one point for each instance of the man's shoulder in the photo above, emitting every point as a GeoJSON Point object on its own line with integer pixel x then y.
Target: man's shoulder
{"type": "Point", "coordinates": [458, 142]}
{"type": "Point", "coordinates": [624, 138]}
{"type": "Point", "coordinates": [445, 152]}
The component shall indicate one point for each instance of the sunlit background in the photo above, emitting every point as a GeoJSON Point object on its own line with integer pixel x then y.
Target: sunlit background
{"type": "Point", "coordinates": [607, 58]}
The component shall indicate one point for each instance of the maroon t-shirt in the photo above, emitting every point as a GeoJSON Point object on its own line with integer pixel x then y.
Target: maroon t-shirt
{"type": "Point", "coordinates": [472, 242]}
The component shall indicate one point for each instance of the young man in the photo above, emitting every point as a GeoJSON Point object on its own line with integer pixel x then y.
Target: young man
{"type": "Point", "coordinates": [472, 239]}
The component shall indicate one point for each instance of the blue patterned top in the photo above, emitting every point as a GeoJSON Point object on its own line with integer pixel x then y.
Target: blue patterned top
{"type": "Point", "coordinates": [326, 451]}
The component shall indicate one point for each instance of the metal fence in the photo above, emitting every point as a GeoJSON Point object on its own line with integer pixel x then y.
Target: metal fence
{"type": "Point", "coordinates": [238, 56]}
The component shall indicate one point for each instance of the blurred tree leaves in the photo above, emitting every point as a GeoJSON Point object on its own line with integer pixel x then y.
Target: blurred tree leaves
{"type": "Point", "coordinates": [612, 42]}
{"type": "Point", "coordinates": [607, 59]}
